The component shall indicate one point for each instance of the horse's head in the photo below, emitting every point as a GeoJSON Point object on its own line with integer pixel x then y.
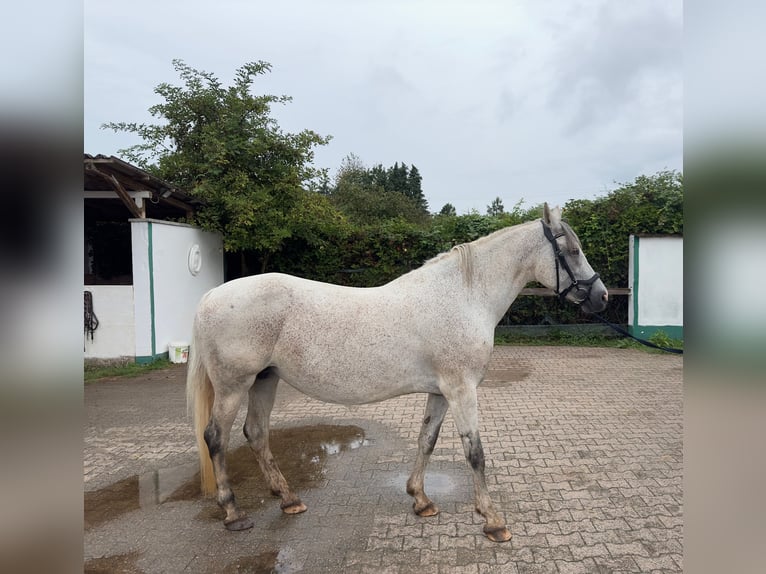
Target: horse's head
{"type": "Point", "coordinates": [565, 269]}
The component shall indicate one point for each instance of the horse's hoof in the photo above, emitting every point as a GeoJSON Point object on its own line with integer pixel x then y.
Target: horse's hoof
{"type": "Point", "coordinates": [241, 523]}
{"type": "Point", "coordinates": [498, 534]}
{"type": "Point", "coordinates": [429, 510]}
{"type": "Point", "coordinates": [295, 508]}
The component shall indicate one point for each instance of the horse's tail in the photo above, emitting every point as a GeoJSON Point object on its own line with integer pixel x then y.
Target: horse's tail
{"type": "Point", "coordinates": [199, 403]}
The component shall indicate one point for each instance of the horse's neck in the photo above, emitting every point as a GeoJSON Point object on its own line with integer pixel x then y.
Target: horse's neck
{"type": "Point", "coordinates": [489, 272]}
{"type": "Point", "coordinates": [503, 263]}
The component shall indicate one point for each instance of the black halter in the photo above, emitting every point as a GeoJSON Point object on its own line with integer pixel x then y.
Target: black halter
{"type": "Point", "coordinates": [583, 285]}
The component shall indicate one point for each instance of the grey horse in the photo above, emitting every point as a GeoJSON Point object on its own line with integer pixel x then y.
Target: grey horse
{"type": "Point", "coordinates": [429, 331]}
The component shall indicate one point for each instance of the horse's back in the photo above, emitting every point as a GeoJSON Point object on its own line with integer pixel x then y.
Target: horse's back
{"type": "Point", "coordinates": [262, 308]}
{"type": "Point", "coordinates": [326, 340]}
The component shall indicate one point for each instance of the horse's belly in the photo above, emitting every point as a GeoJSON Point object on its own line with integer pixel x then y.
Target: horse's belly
{"type": "Point", "coordinates": [357, 386]}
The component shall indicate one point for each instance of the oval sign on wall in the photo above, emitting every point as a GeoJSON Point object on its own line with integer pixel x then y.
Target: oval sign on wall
{"type": "Point", "coordinates": [195, 259]}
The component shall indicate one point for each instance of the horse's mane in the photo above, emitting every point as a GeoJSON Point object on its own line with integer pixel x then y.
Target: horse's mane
{"type": "Point", "coordinates": [464, 252]}
{"type": "Point", "coordinates": [465, 263]}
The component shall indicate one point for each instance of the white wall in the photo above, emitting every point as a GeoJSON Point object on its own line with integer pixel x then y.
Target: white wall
{"type": "Point", "coordinates": [175, 289]}
{"type": "Point", "coordinates": [660, 281]}
{"type": "Point", "coordinates": [115, 335]}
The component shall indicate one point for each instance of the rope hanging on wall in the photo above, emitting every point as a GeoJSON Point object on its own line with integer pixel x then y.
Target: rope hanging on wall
{"type": "Point", "coordinates": [91, 321]}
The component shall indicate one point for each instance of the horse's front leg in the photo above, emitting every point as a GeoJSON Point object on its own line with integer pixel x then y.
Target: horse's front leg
{"type": "Point", "coordinates": [436, 408]}
{"type": "Point", "coordinates": [464, 406]}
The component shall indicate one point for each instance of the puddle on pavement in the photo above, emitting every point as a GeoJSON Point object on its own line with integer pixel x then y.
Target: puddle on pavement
{"type": "Point", "coordinates": [436, 483]}
{"type": "Point", "coordinates": [122, 563]}
{"type": "Point", "coordinates": [301, 453]}
{"type": "Point", "coordinates": [501, 377]}
{"type": "Point", "coordinates": [269, 562]}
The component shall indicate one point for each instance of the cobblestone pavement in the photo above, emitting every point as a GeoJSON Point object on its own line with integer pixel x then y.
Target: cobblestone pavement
{"type": "Point", "coordinates": [584, 459]}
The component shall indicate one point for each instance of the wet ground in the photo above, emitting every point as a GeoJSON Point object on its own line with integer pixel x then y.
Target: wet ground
{"type": "Point", "coordinates": [583, 452]}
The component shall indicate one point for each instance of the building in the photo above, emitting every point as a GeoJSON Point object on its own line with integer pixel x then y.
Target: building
{"type": "Point", "coordinates": [145, 267]}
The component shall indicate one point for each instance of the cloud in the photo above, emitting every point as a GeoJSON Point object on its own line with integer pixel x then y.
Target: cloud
{"type": "Point", "coordinates": [617, 60]}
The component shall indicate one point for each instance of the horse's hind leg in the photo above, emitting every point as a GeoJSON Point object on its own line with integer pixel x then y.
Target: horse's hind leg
{"type": "Point", "coordinates": [217, 433]}
{"type": "Point", "coordinates": [436, 408]}
{"type": "Point", "coordinates": [262, 395]}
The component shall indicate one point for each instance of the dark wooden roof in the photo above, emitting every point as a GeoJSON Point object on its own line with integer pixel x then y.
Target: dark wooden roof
{"type": "Point", "coordinates": [122, 180]}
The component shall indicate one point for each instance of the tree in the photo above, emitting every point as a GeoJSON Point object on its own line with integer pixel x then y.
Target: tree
{"type": "Point", "coordinates": [495, 208]}
{"type": "Point", "coordinates": [378, 177]}
{"type": "Point", "coordinates": [222, 145]}
{"type": "Point", "coordinates": [374, 195]}
{"type": "Point", "coordinates": [414, 189]}
{"type": "Point", "coordinates": [397, 178]}
{"type": "Point", "coordinates": [448, 210]}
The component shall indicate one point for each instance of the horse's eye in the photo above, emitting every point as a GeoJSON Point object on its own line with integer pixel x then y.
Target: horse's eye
{"type": "Point", "coordinates": [575, 252]}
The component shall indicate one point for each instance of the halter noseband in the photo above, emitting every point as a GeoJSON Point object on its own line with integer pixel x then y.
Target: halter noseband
{"type": "Point", "coordinates": [582, 285]}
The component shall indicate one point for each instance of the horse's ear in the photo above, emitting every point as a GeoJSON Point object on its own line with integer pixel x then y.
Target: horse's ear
{"type": "Point", "coordinates": [551, 217]}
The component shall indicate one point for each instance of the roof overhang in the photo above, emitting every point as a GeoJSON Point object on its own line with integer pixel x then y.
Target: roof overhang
{"type": "Point", "coordinates": [124, 190]}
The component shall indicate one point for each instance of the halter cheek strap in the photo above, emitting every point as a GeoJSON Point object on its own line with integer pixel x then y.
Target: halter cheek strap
{"type": "Point", "coordinates": [561, 261]}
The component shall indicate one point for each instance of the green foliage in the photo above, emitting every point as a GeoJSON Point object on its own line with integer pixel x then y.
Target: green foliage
{"type": "Point", "coordinates": [495, 208]}
{"type": "Point", "coordinates": [365, 205]}
{"type": "Point", "coordinates": [648, 205]}
{"type": "Point", "coordinates": [456, 229]}
{"type": "Point", "coordinates": [448, 209]}
{"type": "Point", "coordinates": [367, 256]}
{"type": "Point", "coordinates": [374, 254]}
{"type": "Point", "coordinates": [662, 339]}
{"type": "Point", "coordinates": [222, 145]}
{"type": "Point", "coordinates": [368, 196]}
{"type": "Point", "coordinates": [95, 372]}
{"type": "Point", "coordinates": [462, 228]}
{"type": "Point", "coordinates": [414, 189]}
{"type": "Point", "coordinates": [557, 337]}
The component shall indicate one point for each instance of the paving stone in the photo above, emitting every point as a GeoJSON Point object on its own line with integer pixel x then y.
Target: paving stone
{"type": "Point", "coordinates": [663, 563]}
{"type": "Point", "coordinates": [498, 569]}
{"type": "Point", "coordinates": [585, 566]}
{"type": "Point", "coordinates": [537, 568]}
{"type": "Point", "coordinates": [547, 553]}
{"type": "Point", "coordinates": [597, 550]}
{"type": "Point", "coordinates": [634, 549]}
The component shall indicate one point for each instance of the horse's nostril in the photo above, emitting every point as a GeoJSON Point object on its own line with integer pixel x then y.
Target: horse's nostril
{"type": "Point", "coordinates": [605, 297]}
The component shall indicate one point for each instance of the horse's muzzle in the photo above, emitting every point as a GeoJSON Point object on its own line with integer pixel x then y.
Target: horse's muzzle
{"type": "Point", "coordinates": [596, 299]}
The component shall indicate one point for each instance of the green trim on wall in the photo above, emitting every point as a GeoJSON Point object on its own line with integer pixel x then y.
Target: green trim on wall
{"type": "Point", "coordinates": [151, 290]}
{"type": "Point", "coordinates": [634, 287]}
{"type": "Point", "coordinates": [646, 331]}
{"type": "Point", "coordinates": [146, 359]}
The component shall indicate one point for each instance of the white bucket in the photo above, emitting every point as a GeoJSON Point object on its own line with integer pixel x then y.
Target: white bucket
{"type": "Point", "coordinates": [178, 352]}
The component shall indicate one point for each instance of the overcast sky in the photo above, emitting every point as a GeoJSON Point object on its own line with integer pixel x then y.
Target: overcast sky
{"type": "Point", "coordinates": [540, 100]}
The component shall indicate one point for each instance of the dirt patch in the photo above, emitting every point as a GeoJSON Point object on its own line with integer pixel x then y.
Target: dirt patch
{"type": "Point", "coordinates": [117, 564]}
{"type": "Point", "coordinates": [502, 377]}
